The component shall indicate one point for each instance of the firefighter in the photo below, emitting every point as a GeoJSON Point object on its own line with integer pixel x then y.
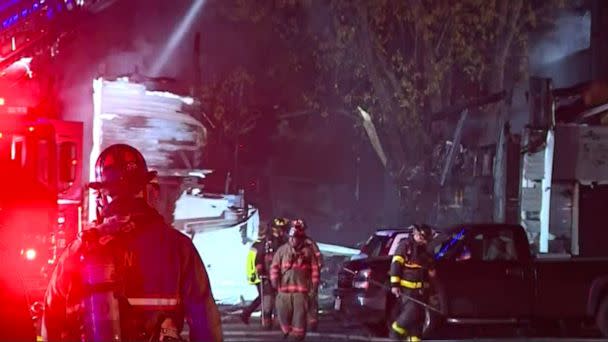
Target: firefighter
{"type": "Point", "coordinates": [252, 273]}
{"type": "Point", "coordinates": [295, 274]}
{"type": "Point", "coordinates": [263, 263]}
{"type": "Point", "coordinates": [155, 270]}
{"type": "Point", "coordinates": [313, 300]}
{"type": "Point", "coordinates": [411, 267]}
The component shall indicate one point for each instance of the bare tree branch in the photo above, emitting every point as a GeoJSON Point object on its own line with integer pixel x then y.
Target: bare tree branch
{"type": "Point", "coordinates": [446, 25]}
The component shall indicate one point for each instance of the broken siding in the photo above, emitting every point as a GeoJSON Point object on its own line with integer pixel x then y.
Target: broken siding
{"type": "Point", "coordinates": [581, 153]}
{"type": "Point", "coordinates": [154, 122]}
{"type": "Point", "coordinates": [531, 199]}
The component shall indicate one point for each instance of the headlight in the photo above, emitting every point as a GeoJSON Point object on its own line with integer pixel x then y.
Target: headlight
{"type": "Point", "coordinates": [361, 279]}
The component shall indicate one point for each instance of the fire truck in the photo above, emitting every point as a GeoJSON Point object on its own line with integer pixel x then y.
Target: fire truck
{"type": "Point", "coordinates": [47, 152]}
{"type": "Point", "coordinates": [43, 152]}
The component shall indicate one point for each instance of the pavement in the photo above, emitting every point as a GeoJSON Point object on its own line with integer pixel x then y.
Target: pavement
{"type": "Point", "coordinates": [333, 329]}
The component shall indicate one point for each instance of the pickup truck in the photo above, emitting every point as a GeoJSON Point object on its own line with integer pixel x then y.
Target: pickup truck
{"type": "Point", "coordinates": [485, 274]}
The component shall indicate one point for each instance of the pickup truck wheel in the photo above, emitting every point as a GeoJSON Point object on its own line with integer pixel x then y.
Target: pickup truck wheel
{"type": "Point", "coordinates": [601, 318]}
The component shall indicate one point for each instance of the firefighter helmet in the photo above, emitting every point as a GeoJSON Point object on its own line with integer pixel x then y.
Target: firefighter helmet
{"type": "Point", "coordinates": [121, 168]}
{"type": "Point", "coordinates": [425, 230]}
{"type": "Point", "coordinates": [297, 228]}
{"type": "Point", "coordinates": [280, 223]}
{"type": "Point", "coordinates": [296, 232]}
{"type": "Point", "coordinates": [299, 224]}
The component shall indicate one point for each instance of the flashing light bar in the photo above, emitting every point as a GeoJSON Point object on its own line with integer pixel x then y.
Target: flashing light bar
{"type": "Point", "coordinates": [36, 6]}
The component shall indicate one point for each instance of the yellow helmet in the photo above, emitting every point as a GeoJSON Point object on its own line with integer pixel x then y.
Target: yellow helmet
{"type": "Point", "coordinates": [280, 223]}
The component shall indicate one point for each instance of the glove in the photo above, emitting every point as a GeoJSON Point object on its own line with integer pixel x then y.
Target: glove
{"type": "Point", "coordinates": [396, 292]}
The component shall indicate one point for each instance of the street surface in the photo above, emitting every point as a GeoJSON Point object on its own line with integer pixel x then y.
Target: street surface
{"type": "Point", "coordinates": [331, 329]}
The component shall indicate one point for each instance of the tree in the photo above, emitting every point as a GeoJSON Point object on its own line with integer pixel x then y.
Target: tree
{"type": "Point", "coordinates": [401, 61]}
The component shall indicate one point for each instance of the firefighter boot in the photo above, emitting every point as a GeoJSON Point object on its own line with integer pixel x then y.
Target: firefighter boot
{"type": "Point", "coordinates": [267, 320]}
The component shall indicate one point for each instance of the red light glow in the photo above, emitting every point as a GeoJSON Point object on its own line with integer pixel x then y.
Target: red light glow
{"type": "Point", "coordinates": [30, 254]}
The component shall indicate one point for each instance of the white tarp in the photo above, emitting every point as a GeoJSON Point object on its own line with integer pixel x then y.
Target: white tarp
{"type": "Point", "coordinates": [222, 236]}
{"type": "Point", "coordinates": [225, 257]}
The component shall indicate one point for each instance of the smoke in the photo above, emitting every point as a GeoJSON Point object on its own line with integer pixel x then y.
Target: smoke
{"type": "Point", "coordinates": [572, 33]}
{"type": "Point", "coordinates": [125, 38]}
{"type": "Point", "coordinates": [177, 36]}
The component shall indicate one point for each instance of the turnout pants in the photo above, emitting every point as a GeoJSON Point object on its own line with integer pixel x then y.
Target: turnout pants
{"type": "Point", "coordinates": [268, 304]}
{"type": "Point", "coordinates": [409, 322]}
{"type": "Point", "coordinates": [292, 309]}
{"type": "Point", "coordinates": [313, 310]}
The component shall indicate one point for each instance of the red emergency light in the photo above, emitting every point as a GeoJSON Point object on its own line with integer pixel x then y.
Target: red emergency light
{"type": "Point", "coordinates": [29, 254]}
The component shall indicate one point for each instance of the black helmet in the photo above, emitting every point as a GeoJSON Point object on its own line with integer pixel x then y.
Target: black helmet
{"type": "Point", "coordinates": [121, 168]}
{"type": "Point", "coordinates": [425, 230]}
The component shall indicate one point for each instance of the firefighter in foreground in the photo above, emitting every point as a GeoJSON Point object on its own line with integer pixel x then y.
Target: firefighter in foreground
{"type": "Point", "coordinates": [295, 275]}
{"type": "Point", "coordinates": [313, 300]}
{"type": "Point", "coordinates": [130, 277]}
{"type": "Point", "coordinates": [411, 268]}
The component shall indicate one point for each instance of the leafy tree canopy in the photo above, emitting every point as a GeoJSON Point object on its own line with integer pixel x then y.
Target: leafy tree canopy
{"type": "Point", "coordinates": [401, 61]}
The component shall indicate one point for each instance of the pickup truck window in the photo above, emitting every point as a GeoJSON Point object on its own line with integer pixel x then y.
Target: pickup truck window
{"type": "Point", "coordinates": [491, 247]}
{"type": "Point", "coordinates": [450, 246]}
{"type": "Point", "coordinates": [375, 245]}
{"type": "Point", "coordinates": [480, 246]}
